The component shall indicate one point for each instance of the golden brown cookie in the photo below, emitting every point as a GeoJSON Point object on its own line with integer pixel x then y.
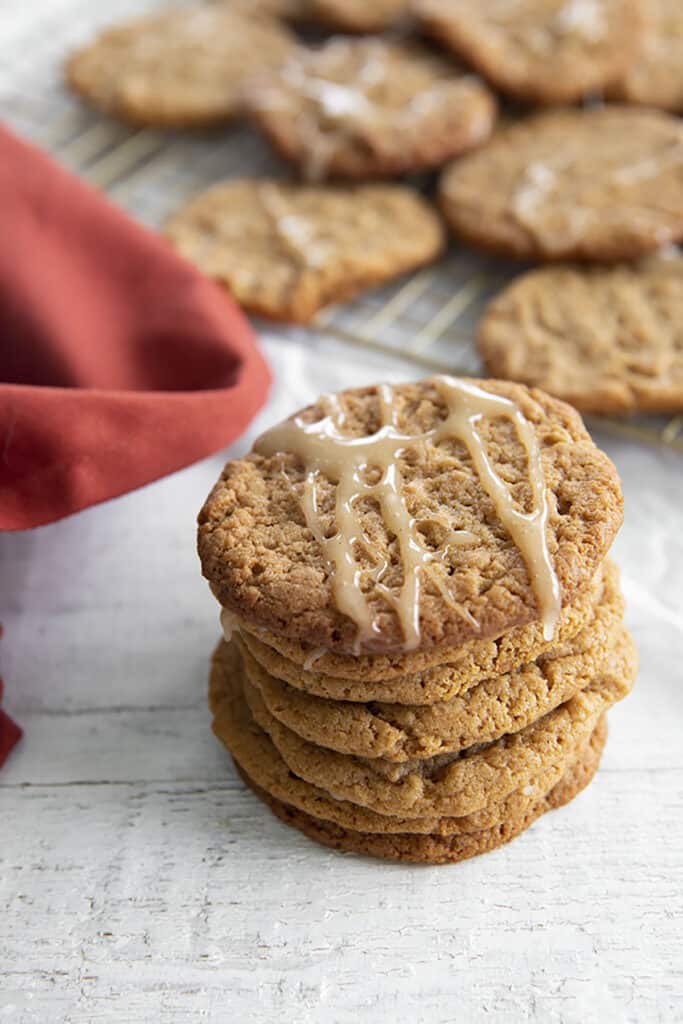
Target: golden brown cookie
{"type": "Point", "coordinates": [548, 51]}
{"type": "Point", "coordinates": [454, 785]}
{"type": "Point", "coordinates": [655, 78]}
{"type": "Point", "coordinates": [606, 340]}
{"type": "Point", "coordinates": [414, 677]}
{"type": "Point", "coordinates": [496, 706]}
{"type": "Point", "coordinates": [183, 67]}
{"type": "Point", "coordinates": [369, 108]}
{"type": "Point", "coordinates": [260, 761]}
{"type": "Point", "coordinates": [465, 494]}
{"type": "Point", "coordinates": [353, 15]}
{"type": "Point", "coordinates": [438, 848]}
{"type": "Point", "coordinates": [602, 184]}
{"type": "Point", "coordinates": [286, 250]}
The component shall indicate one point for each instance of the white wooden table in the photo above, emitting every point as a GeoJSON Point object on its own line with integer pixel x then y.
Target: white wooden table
{"type": "Point", "coordinates": [140, 882]}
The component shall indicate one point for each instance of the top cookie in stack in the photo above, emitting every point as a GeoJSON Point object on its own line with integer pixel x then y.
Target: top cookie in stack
{"type": "Point", "coordinates": [439, 548]}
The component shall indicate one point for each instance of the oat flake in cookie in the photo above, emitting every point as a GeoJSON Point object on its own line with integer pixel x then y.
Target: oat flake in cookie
{"type": "Point", "coordinates": [285, 250]}
{"type": "Point", "coordinates": [602, 185]}
{"type": "Point", "coordinates": [183, 67]}
{"type": "Point", "coordinates": [606, 340]}
{"type": "Point", "coordinates": [366, 108]}
{"type": "Point", "coordinates": [547, 51]}
{"type": "Point", "coordinates": [427, 514]}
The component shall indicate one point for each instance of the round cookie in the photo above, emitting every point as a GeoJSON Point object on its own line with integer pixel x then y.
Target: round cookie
{"type": "Point", "coordinates": [259, 760]}
{"type": "Point", "coordinates": [655, 79]}
{"type": "Point", "coordinates": [457, 784]}
{"type": "Point", "coordinates": [606, 340]}
{"type": "Point", "coordinates": [499, 705]}
{"type": "Point", "coordinates": [264, 563]}
{"type": "Point", "coordinates": [414, 677]}
{"type": "Point", "coordinates": [369, 108]}
{"type": "Point", "coordinates": [183, 67]}
{"type": "Point", "coordinates": [546, 51]}
{"type": "Point", "coordinates": [602, 184]}
{"type": "Point", "coordinates": [440, 849]}
{"type": "Point", "coordinates": [285, 250]}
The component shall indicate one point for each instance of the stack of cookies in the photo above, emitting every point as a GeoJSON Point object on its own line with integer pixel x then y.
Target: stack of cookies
{"type": "Point", "coordinates": [422, 630]}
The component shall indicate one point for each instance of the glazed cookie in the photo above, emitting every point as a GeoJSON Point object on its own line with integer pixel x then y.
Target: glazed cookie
{"type": "Point", "coordinates": [285, 250]}
{"type": "Point", "coordinates": [496, 706]}
{"type": "Point", "coordinates": [604, 184]}
{"type": "Point", "coordinates": [437, 848]}
{"type": "Point", "coordinates": [367, 108]}
{"type": "Point", "coordinates": [258, 758]}
{"type": "Point", "coordinates": [655, 79]}
{"type": "Point", "coordinates": [183, 67]}
{"type": "Point", "coordinates": [457, 784]}
{"type": "Point", "coordinates": [608, 341]}
{"type": "Point", "coordinates": [547, 51]}
{"type": "Point", "coordinates": [424, 515]}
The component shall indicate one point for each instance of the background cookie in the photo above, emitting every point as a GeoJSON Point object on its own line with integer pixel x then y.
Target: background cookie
{"type": "Point", "coordinates": [602, 184]}
{"type": "Point", "coordinates": [354, 15]}
{"type": "Point", "coordinates": [440, 849]}
{"type": "Point", "coordinates": [605, 340]}
{"type": "Point", "coordinates": [286, 250]}
{"type": "Point", "coordinates": [655, 78]}
{"type": "Point", "coordinates": [182, 67]}
{"type": "Point", "coordinates": [363, 108]}
{"type": "Point", "coordinates": [549, 51]}
{"type": "Point", "coordinates": [499, 705]}
{"type": "Point", "coordinates": [264, 563]}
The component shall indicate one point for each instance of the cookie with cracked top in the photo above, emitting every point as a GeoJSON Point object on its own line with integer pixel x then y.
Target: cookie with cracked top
{"type": "Point", "coordinates": [655, 78]}
{"type": "Point", "coordinates": [286, 250]}
{"type": "Point", "coordinates": [545, 51]}
{"type": "Point", "coordinates": [370, 108]}
{"type": "Point", "coordinates": [603, 184]}
{"type": "Point", "coordinates": [184, 67]}
{"type": "Point", "coordinates": [265, 564]}
{"type": "Point", "coordinates": [606, 340]}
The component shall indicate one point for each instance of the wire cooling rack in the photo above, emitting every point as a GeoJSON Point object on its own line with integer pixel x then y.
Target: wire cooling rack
{"type": "Point", "coordinates": [429, 318]}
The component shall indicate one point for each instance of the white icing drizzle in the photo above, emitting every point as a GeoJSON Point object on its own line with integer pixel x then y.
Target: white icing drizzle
{"type": "Point", "coordinates": [584, 18]}
{"type": "Point", "coordinates": [314, 656]}
{"type": "Point", "coordinates": [345, 461]}
{"type": "Point", "coordinates": [297, 234]}
{"type": "Point", "coordinates": [229, 624]}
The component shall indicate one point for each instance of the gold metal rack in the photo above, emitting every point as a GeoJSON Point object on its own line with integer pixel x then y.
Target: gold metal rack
{"type": "Point", "coordinates": [428, 318]}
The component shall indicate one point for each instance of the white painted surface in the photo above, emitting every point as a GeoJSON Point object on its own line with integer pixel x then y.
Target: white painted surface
{"type": "Point", "coordinates": [140, 882]}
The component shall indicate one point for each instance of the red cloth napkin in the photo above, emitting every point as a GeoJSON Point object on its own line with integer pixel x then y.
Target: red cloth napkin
{"type": "Point", "coordinates": [119, 362]}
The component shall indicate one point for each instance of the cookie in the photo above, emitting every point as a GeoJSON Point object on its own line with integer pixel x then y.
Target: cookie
{"type": "Point", "coordinates": [286, 250]}
{"type": "Point", "coordinates": [496, 706]}
{"type": "Point", "coordinates": [353, 15]}
{"type": "Point", "coordinates": [546, 51]}
{"type": "Point", "coordinates": [415, 677]}
{"type": "Point", "coordinates": [183, 67]}
{"type": "Point", "coordinates": [437, 848]}
{"type": "Point", "coordinates": [606, 340]}
{"type": "Point", "coordinates": [602, 184]}
{"type": "Point", "coordinates": [457, 784]}
{"type": "Point", "coordinates": [369, 108]}
{"type": "Point", "coordinates": [259, 760]}
{"type": "Point", "coordinates": [424, 515]}
{"type": "Point", "coordinates": [655, 78]}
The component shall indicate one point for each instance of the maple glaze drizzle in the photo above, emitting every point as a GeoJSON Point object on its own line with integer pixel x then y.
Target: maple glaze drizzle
{"type": "Point", "coordinates": [326, 451]}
